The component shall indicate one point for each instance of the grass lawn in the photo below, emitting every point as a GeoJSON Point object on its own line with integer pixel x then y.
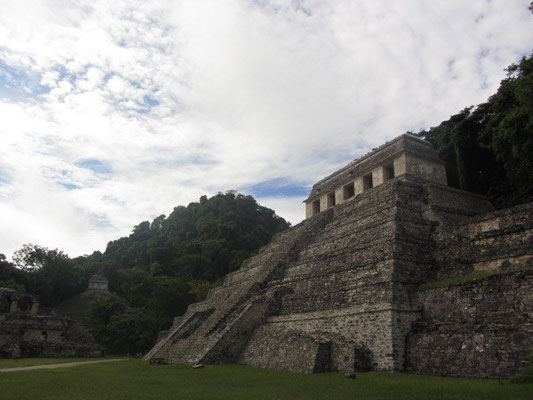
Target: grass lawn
{"type": "Point", "coordinates": [76, 307]}
{"type": "Point", "coordinates": [136, 379]}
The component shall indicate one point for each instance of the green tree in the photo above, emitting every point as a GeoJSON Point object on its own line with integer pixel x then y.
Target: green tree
{"type": "Point", "coordinates": [508, 130]}
{"type": "Point", "coordinates": [32, 257]}
{"type": "Point", "coordinates": [103, 309]}
{"type": "Point", "coordinates": [489, 149]}
{"type": "Point", "coordinates": [10, 276]}
{"type": "Point", "coordinates": [50, 274]}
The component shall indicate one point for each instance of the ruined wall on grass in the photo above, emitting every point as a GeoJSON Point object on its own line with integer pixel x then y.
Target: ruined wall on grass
{"type": "Point", "coordinates": [27, 332]}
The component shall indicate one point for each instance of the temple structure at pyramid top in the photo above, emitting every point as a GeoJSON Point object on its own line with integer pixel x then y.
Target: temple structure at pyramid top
{"type": "Point", "coordinates": [404, 156]}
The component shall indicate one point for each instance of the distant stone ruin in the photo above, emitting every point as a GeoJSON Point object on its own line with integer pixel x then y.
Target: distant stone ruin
{"type": "Point", "coordinates": [344, 290]}
{"type": "Point", "coordinates": [26, 331]}
{"type": "Point", "coordinates": [98, 287]}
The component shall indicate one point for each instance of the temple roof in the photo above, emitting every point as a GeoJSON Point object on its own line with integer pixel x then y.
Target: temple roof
{"type": "Point", "coordinates": [407, 143]}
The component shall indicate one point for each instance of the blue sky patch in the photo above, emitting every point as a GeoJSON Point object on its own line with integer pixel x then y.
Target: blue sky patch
{"type": "Point", "coordinates": [279, 187]}
{"type": "Point", "coordinates": [197, 160]}
{"type": "Point", "coordinates": [69, 186]}
{"type": "Point", "coordinates": [94, 165]}
{"type": "Point", "coordinates": [108, 76]}
{"type": "Point", "coordinates": [150, 101]}
{"type": "Point", "coordinates": [4, 177]}
{"type": "Point", "coordinates": [16, 84]}
{"type": "Point", "coordinates": [168, 160]}
{"type": "Point", "coordinates": [99, 221]}
{"type": "Point", "coordinates": [298, 4]}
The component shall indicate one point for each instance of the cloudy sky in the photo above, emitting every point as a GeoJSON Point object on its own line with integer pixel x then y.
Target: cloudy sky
{"type": "Point", "coordinates": [114, 112]}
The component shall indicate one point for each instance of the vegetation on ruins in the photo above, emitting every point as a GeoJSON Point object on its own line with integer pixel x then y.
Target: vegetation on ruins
{"type": "Point", "coordinates": [154, 273]}
{"type": "Point", "coordinates": [473, 276]}
{"type": "Point", "coordinates": [135, 379]}
{"type": "Point", "coordinates": [525, 375]}
{"type": "Point", "coordinates": [489, 148]}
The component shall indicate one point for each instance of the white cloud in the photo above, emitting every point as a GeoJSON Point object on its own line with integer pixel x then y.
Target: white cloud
{"type": "Point", "coordinates": [180, 99]}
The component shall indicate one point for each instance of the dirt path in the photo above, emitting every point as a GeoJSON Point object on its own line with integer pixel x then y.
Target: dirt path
{"type": "Point", "coordinates": [62, 365]}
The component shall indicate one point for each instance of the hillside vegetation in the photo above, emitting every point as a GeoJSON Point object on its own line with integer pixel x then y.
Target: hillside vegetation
{"type": "Point", "coordinates": [154, 273]}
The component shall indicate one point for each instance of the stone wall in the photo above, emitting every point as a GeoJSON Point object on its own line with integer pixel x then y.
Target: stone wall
{"type": "Point", "coordinates": [348, 331]}
{"type": "Point", "coordinates": [98, 287]}
{"type": "Point", "coordinates": [27, 333]}
{"type": "Point", "coordinates": [482, 328]}
{"type": "Point", "coordinates": [13, 301]}
{"type": "Point", "coordinates": [293, 351]}
{"type": "Point", "coordinates": [23, 335]}
{"type": "Point", "coordinates": [493, 241]}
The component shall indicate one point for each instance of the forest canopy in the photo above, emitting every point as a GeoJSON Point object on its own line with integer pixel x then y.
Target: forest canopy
{"type": "Point", "coordinates": [155, 272]}
{"type": "Point", "coordinates": [489, 148]}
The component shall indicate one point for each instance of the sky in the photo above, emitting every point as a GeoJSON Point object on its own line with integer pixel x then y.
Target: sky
{"type": "Point", "coordinates": [115, 112]}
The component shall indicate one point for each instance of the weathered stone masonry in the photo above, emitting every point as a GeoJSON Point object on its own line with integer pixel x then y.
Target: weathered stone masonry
{"type": "Point", "coordinates": [479, 328]}
{"type": "Point", "coordinates": [341, 290]}
{"type": "Point", "coordinates": [26, 331]}
{"type": "Point", "coordinates": [98, 287]}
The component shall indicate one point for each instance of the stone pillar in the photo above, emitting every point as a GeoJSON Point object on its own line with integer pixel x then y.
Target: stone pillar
{"type": "Point", "coordinates": [323, 202]}
{"type": "Point", "coordinates": [309, 209]}
{"type": "Point", "coordinates": [14, 306]}
{"type": "Point", "coordinates": [34, 308]}
{"type": "Point", "coordinates": [377, 176]}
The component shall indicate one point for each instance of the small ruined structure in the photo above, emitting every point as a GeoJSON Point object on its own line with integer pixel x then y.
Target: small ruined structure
{"type": "Point", "coordinates": [12, 301]}
{"type": "Point", "coordinates": [25, 331]}
{"type": "Point", "coordinates": [98, 287]}
{"type": "Point", "coordinates": [344, 290]}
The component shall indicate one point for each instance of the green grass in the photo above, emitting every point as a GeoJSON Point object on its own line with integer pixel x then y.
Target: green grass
{"type": "Point", "coordinates": [526, 375]}
{"type": "Point", "coordinates": [76, 307]}
{"type": "Point", "coordinates": [472, 277]}
{"type": "Point", "coordinates": [135, 379]}
{"type": "Point", "coordinates": [28, 362]}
